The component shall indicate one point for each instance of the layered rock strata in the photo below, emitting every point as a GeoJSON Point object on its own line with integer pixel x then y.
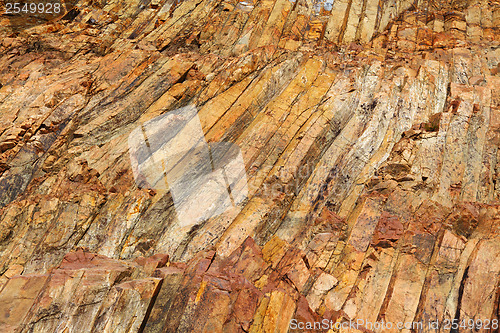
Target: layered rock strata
{"type": "Point", "coordinates": [369, 132]}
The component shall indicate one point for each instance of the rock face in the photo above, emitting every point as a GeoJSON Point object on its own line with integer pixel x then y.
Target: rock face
{"type": "Point", "coordinates": [369, 132]}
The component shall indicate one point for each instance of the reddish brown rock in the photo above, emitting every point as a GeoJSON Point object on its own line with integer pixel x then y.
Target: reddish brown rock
{"type": "Point", "coordinates": [369, 134]}
{"type": "Point", "coordinates": [388, 231]}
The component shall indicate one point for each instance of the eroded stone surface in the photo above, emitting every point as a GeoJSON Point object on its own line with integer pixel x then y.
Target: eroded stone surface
{"type": "Point", "coordinates": [369, 133]}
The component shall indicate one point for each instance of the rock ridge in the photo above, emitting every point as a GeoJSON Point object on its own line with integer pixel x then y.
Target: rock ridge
{"type": "Point", "coordinates": [369, 132]}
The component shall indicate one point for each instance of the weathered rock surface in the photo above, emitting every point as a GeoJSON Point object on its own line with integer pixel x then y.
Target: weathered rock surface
{"type": "Point", "coordinates": [370, 133]}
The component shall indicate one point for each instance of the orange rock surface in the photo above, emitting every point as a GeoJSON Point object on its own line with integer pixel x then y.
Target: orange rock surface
{"type": "Point", "coordinates": [369, 131]}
